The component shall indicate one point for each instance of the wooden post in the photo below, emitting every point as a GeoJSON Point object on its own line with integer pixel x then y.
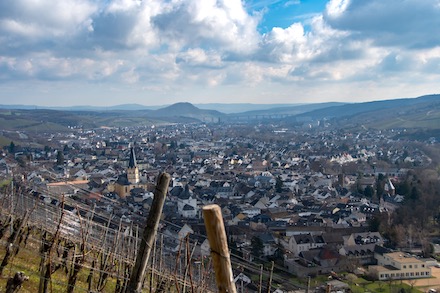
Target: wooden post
{"type": "Point", "coordinates": [149, 234]}
{"type": "Point", "coordinates": [261, 279]}
{"type": "Point", "coordinates": [215, 230]}
{"type": "Point", "coordinates": [269, 285]}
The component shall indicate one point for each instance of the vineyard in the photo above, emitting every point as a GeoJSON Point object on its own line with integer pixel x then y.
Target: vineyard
{"type": "Point", "coordinates": [61, 251]}
{"type": "Point", "coordinates": [68, 250]}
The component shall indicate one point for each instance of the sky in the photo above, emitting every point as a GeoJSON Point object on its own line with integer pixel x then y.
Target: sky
{"type": "Point", "coordinates": [159, 52]}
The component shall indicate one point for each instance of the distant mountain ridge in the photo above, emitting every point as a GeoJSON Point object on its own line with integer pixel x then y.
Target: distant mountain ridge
{"type": "Point", "coordinates": [423, 111]}
{"type": "Point", "coordinates": [221, 107]}
{"type": "Point", "coordinates": [122, 107]}
{"type": "Point", "coordinates": [356, 108]}
{"type": "Point", "coordinates": [290, 110]}
{"type": "Point", "coordinates": [416, 114]}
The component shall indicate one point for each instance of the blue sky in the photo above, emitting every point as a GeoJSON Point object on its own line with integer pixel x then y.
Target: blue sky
{"type": "Point", "coordinates": [284, 13]}
{"type": "Point", "coordinates": [156, 52]}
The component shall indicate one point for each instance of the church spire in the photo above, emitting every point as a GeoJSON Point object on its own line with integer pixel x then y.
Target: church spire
{"type": "Point", "coordinates": [132, 170]}
{"type": "Point", "coordinates": [132, 161]}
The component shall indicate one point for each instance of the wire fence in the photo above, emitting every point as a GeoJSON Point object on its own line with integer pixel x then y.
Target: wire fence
{"type": "Point", "coordinates": [108, 250]}
{"type": "Point", "coordinates": [105, 246]}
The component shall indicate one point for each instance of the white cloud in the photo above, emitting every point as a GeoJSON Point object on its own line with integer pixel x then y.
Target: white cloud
{"type": "Point", "coordinates": [336, 8]}
{"type": "Point", "coordinates": [224, 25]}
{"type": "Point", "coordinates": [291, 3]}
{"type": "Point", "coordinates": [198, 57]}
{"type": "Point", "coordinates": [45, 18]}
{"type": "Point", "coordinates": [179, 46]}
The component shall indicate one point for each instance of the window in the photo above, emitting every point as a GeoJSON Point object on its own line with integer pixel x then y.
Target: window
{"type": "Point", "coordinates": [410, 266]}
{"type": "Point", "coordinates": [423, 266]}
{"type": "Point", "coordinates": [404, 266]}
{"type": "Point", "coordinates": [415, 266]}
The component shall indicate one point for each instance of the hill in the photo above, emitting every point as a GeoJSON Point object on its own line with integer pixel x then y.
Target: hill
{"type": "Point", "coordinates": [186, 110]}
{"type": "Point", "coordinates": [124, 107]}
{"type": "Point", "coordinates": [421, 113]}
{"type": "Point", "coordinates": [289, 110]}
{"type": "Point", "coordinates": [345, 110]}
{"type": "Point", "coordinates": [40, 120]}
{"type": "Point", "coordinates": [241, 107]}
{"type": "Point", "coordinates": [412, 113]}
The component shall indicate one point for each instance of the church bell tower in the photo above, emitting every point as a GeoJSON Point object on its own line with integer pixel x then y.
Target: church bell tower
{"type": "Point", "coordinates": [132, 170]}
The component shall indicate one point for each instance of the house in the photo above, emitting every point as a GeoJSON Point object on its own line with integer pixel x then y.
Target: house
{"type": "Point", "coordinates": [389, 188]}
{"type": "Point", "coordinates": [269, 244]}
{"type": "Point", "coordinates": [205, 248]}
{"type": "Point", "coordinates": [360, 247]}
{"type": "Point", "coordinates": [366, 181]}
{"type": "Point", "coordinates": [360, 254]}
{"type": "Point", "coordinates": [316, 261]}
{"type": "Point", "coordinates": [174, 235]}
{"type": "Point", "coordinates": [363, 238]}
{"type": "Point", "coordinates": [304, 242]}
{"type": "Point", "coordinates": [186, 203]}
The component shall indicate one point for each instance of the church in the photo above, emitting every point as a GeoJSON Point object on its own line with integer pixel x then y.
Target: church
{"type": "Point", "coordinates": [130, 180]}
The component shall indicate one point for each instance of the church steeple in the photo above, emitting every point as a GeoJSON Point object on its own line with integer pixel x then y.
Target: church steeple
{"type": "Point", "coordinates": [132, 170]}
{"type": "Point", "coordinates": [132, 162]}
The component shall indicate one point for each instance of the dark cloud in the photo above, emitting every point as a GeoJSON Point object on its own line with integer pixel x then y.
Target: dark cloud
{"type": "Point", "coordinates": [111, 30]}
{"type": "Point", "coordinates": [403, 23]}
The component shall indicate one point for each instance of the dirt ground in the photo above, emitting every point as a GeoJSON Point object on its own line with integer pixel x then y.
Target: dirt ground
{"type": "Point", "coordinates": [428, 283]}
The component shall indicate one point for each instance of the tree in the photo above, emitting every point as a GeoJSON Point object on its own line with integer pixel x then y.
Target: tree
{"type": "Point", "coordinates": [403, 188]}
{"type": "Point", "coordinates": [12, 147]}
{"type": "Point", "coordinates": [374, 224]}
{"type": "Point", "coordinates": [279, 184]}
{"type": "Point", "coordinates": [279, 254]}
{"type": "Point", "coordinates": [369, 191]}
{"type": "Point", "coordinates": [380, 184]}
{"type": "Point", "coordinates": [257, 247]}
{"type": "Point", "coordinates": [414, 195]}
{"type": "Point", "coordinates": [234, 248]}
{"type": "Point", "coordinates": [60, 158]}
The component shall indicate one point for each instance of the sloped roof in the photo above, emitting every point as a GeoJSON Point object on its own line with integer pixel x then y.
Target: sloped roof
{"type": "Point", "coordinates": [185, 193]}
{"type": "Point", "coordinates": [187, 207]}
{"type": "Point", "coordinates": [132, 161]}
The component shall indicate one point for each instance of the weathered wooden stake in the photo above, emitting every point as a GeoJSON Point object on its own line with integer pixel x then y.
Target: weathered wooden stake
{"type": "Point", "coordinates": [149, 234]}
{"type": "Point", "coordinates": [218, 242]}
{"type": "Point", "coordinates": [269, 284]}
{"type": "Point", "coordinates": [261, 279]}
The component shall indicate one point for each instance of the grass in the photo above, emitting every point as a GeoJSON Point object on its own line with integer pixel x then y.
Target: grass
{"type": "Point", "coordinates": [421, 120]}
{"type": "Point", "coordinates": [361, 285]}
{"type": "Point", "coordinates": [4, 141]}
{"type": "Point", "coordinates": [28, 261]}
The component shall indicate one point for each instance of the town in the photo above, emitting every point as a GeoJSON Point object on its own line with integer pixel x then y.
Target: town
{"type": "Point", "coordinates": [314, 199]}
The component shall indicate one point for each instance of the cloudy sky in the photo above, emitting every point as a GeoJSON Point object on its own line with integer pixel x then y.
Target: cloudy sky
{"type": "Point", "coordinates": [156, 52]}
